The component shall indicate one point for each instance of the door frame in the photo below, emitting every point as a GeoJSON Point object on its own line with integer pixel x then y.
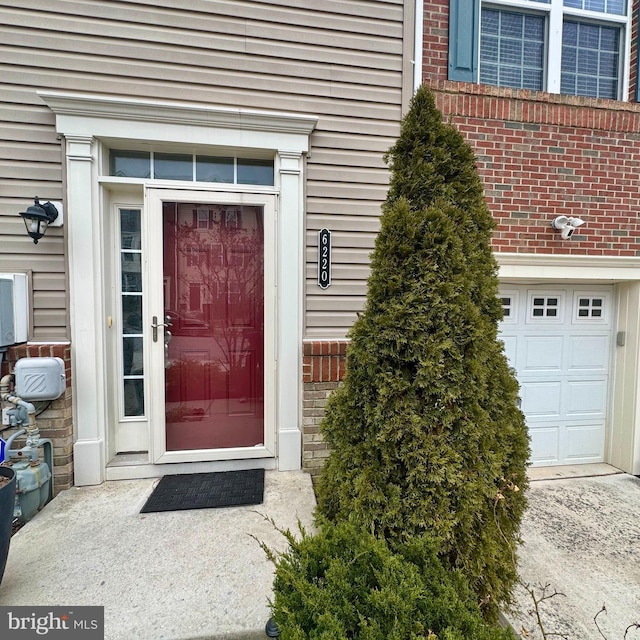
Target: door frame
{"type": "Point", "coordinates": [153, 239]}
{"type": "Point", "coordinates": [90, 124]}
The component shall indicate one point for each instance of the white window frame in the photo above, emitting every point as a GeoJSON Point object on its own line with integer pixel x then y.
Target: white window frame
{"type": "Point", "coordinates": [556, 12]}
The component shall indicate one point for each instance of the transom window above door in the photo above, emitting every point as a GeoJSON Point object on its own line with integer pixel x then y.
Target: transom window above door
{"type": "Point", "coordinates": [191, 167]}
{"type": "Point", "coordinates": [572, 47]}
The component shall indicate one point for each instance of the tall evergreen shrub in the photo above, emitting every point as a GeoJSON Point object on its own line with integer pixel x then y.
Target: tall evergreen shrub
{"type": "Point", "coordinates": [425, 432]}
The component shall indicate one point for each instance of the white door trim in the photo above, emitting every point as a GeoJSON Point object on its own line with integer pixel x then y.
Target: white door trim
{"type": "Point", "coordinates": [89, 123]}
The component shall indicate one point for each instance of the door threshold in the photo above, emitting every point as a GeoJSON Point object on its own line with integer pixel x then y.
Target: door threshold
{"type": "Point", "coordinates": [129, 469]}
{"type": "Point", "coordinates": [126, 459]}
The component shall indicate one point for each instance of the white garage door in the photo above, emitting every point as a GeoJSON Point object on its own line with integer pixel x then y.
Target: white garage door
{"type": "Point", "coordinates": [558, 339]}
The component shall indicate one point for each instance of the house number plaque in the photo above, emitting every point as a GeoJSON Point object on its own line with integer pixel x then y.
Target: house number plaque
{"type": "Point", "coordinates": [324, 258]}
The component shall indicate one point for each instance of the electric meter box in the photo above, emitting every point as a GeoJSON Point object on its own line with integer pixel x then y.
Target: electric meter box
{"type": "Point", "coordinates": [40, 378]}
{"type": "Point", "coordinates": [14, 309]}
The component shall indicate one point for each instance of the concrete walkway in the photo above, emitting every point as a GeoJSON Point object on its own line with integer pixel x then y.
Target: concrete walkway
{"type": "Point", "coordinates": [180, 575]}
{"type": "Point", "coordinates": [190, 575]}
{"type": "Point", "coordinates": [582, 537]}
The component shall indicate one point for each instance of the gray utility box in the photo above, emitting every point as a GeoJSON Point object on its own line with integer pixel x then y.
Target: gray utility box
{"type": "Point", "coordinates": [14, 309]}
{"type": "Point", "coordinates": [40, 378]}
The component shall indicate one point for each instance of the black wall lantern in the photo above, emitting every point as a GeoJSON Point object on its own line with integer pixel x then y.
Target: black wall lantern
{"type": "Point", "coordinates": [39, 216]}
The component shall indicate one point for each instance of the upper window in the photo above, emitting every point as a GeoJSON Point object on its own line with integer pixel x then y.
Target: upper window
{"type": "Point", "coordinates": [512, 49]}
{"type": "Point", "coordinates": [179, 166]}
{"type": "Point", "coordinates": [573, 47]}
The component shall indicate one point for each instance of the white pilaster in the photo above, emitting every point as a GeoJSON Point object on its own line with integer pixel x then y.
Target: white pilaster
{"type": "Point", "coordinates": [85, 286]}
{"type": "Point", "coordinates": [290, 309]}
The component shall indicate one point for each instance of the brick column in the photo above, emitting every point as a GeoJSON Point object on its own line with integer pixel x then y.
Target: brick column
{"type": "Point", "coordinates": [323, 365]}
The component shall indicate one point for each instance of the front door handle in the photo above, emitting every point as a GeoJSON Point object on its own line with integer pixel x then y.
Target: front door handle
{"type": "Point", "coordinates": [154, 325]}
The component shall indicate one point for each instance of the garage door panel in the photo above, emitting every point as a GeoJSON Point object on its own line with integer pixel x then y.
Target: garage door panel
{"type": "Point", "coordinates": [511, 349]}
{"type": "Point", "coordinates": [586, 398]}
{"type": "Point", "coordinates": [585, 442]}
{"type": "Point", "coordinates": [541, 399]}
{"type": "Point", "coordinates": [542, 353]}
{"type": "Point", "coordinates": [545, 444]}
{"type": "Point", "coordinates": [558, 340]}
{"type": "Point", "coordinates": [588, 353]}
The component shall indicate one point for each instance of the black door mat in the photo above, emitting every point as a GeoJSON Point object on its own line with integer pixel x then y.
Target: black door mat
{"type": "Point", "coordinates": [206, 491]}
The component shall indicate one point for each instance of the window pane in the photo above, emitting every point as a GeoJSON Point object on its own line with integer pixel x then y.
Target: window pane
{"type": "Point", "coordinates": [133, 397]}
{"type": "Point", "coordinates": [569, 60]}
{"type": "Point", "coordinates": [511, 25]}
{"type": "Point", "coordinates": [533, 54]}
{"type": "Point", "coordinates": [490, 22]}
{"type": "Point", "coordinates": [214, 169]}
{"type": "Point", "coordinates": [608, 64]}
{"type": "Point", "coordinates": [512, 49]}
{"type": "Point", "coordinates": [489, 74]}
{"type": "Point", "coordinates": [570, 34]}
{"type": "Point", "coordinates": [131, 273]}
{"type": "Point", "coordinates": [592, 67]}
{"type": "Point", "coordinates": [130, 228]}
{"type": "Point", "coordinates": [511, 53]}
{"type": "Point", "coordinates": [617, 7]}
{"type": "Point", "coordinates": [534, 28]}
{"type": "Point", "coordinates": [588, 62]}
{"type": "Point", "coordinates": [609, 40]}
{"type": "Point", "coordinates": [132, 363]}
{"type": "Point", "coordinates": [509, 77]}
{"type": "Point", "coordinates": [129, 164]}
{"type": "Point", "coordinates": [594, 5]}
{"type": "Point", "coordinates": [532, 80]}
{"type": "Point", "coordinates": [172, 166]}
{"type": "Point", "coordinates": [131, 313]}
{"type": "Point", "coordinates": [255, 171]}
{"type": "Point", "coordinates": [614, 7]}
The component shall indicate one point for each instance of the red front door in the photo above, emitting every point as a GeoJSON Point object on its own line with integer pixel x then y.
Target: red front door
{"type": "Point", "coordinates": [214, 312]}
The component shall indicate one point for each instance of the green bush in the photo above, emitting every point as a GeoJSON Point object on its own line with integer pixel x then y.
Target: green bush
{"type": "Point", "coordinates": [425, 431]}
{"type": "Point", "coordinates": [343, 584]}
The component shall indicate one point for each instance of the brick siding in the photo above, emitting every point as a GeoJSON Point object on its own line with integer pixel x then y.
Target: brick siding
{"type": "Point", "coordinates": [56, 423]}
{"type": "Point", "coordinates": [543, 155]}
{"type": "Point", "coordinates": [323, 369]}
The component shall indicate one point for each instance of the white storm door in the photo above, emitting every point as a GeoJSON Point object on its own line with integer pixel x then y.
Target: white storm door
{"type": "Point", "coordinates": [211, 318]}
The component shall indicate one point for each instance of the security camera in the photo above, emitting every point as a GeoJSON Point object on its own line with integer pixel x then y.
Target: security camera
{"type": "Point", "coordinates": [566, 226]}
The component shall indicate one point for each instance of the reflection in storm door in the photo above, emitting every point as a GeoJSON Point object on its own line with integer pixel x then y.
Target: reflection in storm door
{"type": "Point", "coordinates": [214, 300]}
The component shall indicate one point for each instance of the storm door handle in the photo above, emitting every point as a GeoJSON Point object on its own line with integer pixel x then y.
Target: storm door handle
{"type": "Point", "coordinates": [154, 326]}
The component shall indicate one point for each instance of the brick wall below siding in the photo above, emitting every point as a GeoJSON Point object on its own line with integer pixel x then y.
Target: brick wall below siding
{"type": "Point", "coordinates": [56, 422]}
{"type": "Point", "coordinates": [543, 155]}
{"type": "Point", "coordinates": [323, 369]}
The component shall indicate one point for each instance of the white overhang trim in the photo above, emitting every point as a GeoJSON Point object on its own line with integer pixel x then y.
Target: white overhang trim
{"type": "Point", "coordinates": [528, 266]}
{"type": "Point", "coordinates": [156, 111]}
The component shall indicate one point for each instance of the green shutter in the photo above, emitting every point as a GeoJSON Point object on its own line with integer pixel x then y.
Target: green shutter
{"type": "Point", "coordinates": [464, 27]}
